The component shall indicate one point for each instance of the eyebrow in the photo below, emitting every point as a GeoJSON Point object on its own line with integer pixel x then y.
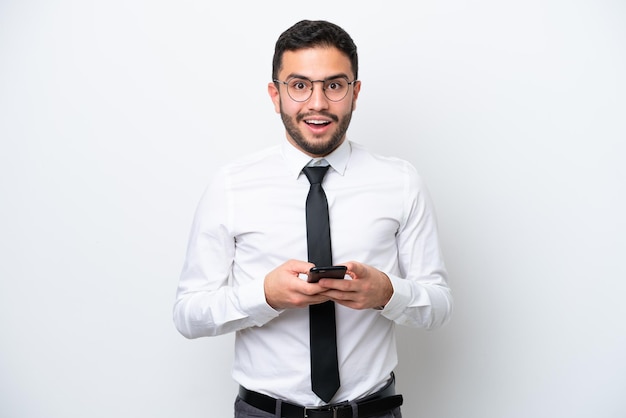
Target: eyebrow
{"type": "Point", "coordinates": [340, 75]}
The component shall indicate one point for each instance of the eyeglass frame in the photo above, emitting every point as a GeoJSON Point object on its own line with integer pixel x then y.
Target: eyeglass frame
{"type": "Point", "coordinates": [286, 83]}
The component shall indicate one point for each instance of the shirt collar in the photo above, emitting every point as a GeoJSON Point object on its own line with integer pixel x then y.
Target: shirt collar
{"type": "Point", "coordinates": [296, 160]}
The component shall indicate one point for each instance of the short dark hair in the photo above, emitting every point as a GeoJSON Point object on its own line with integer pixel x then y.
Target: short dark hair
{"type": "Point", "coordinates": [314, 33]}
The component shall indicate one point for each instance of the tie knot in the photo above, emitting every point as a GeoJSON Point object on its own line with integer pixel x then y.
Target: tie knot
{"type": "Point", "coordinates": [315, 174]}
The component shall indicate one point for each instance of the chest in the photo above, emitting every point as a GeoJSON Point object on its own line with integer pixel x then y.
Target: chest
{"type": "Point", "coordinates": [272, 219]}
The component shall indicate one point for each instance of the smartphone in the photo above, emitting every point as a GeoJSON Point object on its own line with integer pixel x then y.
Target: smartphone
{"type": "Point", "coordinates": [328, 272]}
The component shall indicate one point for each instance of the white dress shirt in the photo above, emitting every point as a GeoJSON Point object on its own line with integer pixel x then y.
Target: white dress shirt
{"type": "Point", "coordinates": [251, 218]}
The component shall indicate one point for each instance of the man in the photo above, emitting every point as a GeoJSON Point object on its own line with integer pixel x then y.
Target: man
{"type": "Point", "coordinates": [247, 260]}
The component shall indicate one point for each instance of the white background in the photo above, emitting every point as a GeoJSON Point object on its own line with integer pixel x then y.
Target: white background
{"type": "Point", "coordinates": [114, 115]}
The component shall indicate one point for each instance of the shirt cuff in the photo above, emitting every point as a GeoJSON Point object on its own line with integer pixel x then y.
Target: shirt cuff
{"type": "Point", "coordinates": [252, 301]}
{"type": "Point", "coordinates": [401, 298]}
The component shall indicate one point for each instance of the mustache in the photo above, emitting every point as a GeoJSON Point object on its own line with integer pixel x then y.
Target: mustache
{"type": "Point", "coordinates": [329, 115]}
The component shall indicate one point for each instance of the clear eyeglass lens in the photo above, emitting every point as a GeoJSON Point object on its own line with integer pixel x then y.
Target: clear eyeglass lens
{"type": "Point", "coordinates": [300, 89]}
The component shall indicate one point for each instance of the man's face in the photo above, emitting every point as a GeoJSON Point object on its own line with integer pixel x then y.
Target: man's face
{"type": "Point", "coordinates": [318, 125]}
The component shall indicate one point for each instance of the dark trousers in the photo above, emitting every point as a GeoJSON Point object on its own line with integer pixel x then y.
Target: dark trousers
{"type": "Point", "coordinates": [243, 410]}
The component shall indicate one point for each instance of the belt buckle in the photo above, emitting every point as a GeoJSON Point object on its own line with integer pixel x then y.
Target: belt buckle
{"type": "Point", "coordinates": [329, 408]}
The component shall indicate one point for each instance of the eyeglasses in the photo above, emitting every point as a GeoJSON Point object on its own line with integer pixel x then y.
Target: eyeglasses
{"type": "Point", "coordinates": [301, 89]}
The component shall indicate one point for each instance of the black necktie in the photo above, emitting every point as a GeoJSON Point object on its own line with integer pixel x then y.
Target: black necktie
{"type": "Point", "coordinates": [324, 368]}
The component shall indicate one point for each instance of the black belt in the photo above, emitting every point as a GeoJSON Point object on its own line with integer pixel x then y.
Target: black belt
{"type": "Point", "coordinates": [375, 404]}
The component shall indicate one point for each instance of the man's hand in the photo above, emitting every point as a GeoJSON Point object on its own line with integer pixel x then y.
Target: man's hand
{"type": "Point", "coordinates": [369, 287]}
{"type": "Point", "coordinates": [285, 289]}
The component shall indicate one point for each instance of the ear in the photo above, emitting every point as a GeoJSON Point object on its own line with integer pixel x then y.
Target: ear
{"type": "Point", "coordinates": [355, 93]}
{"type": "Point", "coordinates": [274, 95]}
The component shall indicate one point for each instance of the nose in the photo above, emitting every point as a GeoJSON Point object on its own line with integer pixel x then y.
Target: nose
{"type": "Point", "coordinates": [318, 98]}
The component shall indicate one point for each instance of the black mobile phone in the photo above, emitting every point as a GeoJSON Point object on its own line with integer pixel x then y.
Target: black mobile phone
{"type": "Point", "coordinates": [328, 272]}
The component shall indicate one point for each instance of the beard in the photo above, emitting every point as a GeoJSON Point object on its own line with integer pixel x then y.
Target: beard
{"type": "Point", "coordinates": [315, 147]}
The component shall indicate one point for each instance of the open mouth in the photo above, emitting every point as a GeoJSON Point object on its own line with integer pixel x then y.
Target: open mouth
{"type": "Point", "coordinates": [314, 122]}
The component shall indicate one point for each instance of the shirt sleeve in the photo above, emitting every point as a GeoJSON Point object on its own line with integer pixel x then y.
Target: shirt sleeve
{"type": "Point", "coordinates": [422, 297]}
{"type": "Point", "coordinates": [207, 303]}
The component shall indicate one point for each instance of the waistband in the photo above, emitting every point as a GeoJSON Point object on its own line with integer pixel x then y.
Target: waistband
{"type": "Point", "coordinates": [374, 404]}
